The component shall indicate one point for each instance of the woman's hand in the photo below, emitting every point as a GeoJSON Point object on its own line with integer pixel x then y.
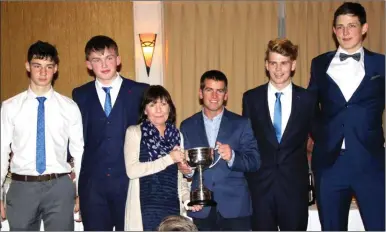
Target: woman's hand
{"type": "Point", "coordinates": [177, 155]}
{"type": "Point", "coordinates": [184, 168]}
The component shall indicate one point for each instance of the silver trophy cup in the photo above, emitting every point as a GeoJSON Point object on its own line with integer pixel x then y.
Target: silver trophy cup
{"type": "Point", "coordinates": [201, 158]}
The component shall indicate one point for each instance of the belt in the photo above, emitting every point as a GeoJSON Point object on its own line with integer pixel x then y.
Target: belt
{"type": "Point", "coordinates": [40, 178]}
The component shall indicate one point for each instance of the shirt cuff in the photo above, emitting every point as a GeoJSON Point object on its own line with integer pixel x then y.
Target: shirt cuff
{"type": "Point", "coordinates": [230, 162]}
{"type": "Point", "coordinates": [190, 175]}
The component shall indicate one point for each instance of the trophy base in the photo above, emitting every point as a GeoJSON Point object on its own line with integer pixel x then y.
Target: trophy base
{"type": "Point", "coordinates": [203, 203]}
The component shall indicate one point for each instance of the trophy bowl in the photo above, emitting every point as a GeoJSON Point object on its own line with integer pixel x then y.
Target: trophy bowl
{"type": "Point", "coordinates": [200, 158]}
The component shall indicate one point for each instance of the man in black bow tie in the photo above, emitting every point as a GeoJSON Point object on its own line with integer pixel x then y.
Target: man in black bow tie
{"type": "Point", "coordinates": [349, 155]}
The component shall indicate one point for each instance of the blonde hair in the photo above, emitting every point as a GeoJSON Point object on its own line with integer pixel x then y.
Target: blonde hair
{"type": "Point", "coordinates": [177, 223]}
{"type": "Point", "coordinates": [283, 47]}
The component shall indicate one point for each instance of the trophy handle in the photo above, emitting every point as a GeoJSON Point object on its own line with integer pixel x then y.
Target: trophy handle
{"type": "Point", "coordinates": [218, 159]}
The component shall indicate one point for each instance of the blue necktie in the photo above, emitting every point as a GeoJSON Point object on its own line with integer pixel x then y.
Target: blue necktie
{"type": "Point", "coordinates": [107, 100]}
{"type": "Point", "coordinates": [40, 138]}
{"type": "Point", "coordinates": [277, 116]}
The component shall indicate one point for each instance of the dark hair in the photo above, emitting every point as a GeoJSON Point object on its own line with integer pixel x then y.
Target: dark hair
{"type": "Point", "coordinates": [99, 43]}
{"type": "Point", "coordinates": [177, 223]}
{"type": "Point", "coordinates": [213, 75]}
{"type": "Point", "coordinates": [352, 8]}
{"type": "Point", "coordinates": [152, 94]}
{"type": "Point", "coordinates": [43, 50]}
{"type": "Point", "coordinates": [283, 47]}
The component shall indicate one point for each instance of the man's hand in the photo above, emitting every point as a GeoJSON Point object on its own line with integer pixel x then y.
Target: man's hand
{"type": "Point", "coordinates": [196, 208]}
{"type": "Point", "coordinates": [2, 209]}
{"type": "Point", "coordinates": [225, 151]}
{"type": "Point", "coordinates": [77, 209]}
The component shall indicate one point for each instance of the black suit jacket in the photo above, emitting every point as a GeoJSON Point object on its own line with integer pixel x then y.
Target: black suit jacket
{"type": "Point", "coordinates": [283, 163]}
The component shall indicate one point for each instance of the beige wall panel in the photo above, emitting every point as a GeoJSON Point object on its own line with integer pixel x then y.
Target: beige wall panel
{"type": "Point", "coordinates": [68, 25]}
{"type": "Point", "coordinates": [229, 35]}
{"type": "Point", "coordinates": [309, 25]}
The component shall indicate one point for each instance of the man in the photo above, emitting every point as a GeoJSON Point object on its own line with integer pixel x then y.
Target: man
{"type": "Point", "coordinates": [109, 105]}
{"type": "Point", "coordinates": [232, 134]}
{"type": "Point", "coordinates": [349, 156]}
{"type": "Point", "coordinates": [38, 124]}
{"type": "Point", "coordinates": [281, 114]}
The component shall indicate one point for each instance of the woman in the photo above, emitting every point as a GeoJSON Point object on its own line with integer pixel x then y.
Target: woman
{"type": "Point", "coordinates": [156, 189]}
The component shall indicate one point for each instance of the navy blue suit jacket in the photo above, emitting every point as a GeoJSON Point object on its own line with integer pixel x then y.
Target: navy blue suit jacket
{"type": "Point", "coordinates": [358, 120]}
{"type": "Point", "coordinates": [104, 136]}
{"type": "Point", "coordinates": [229, 186]}
{"type": "Point", "coordinates": [284, 164]}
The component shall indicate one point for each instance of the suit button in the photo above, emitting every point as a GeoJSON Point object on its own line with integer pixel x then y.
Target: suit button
{"type": "Point", "coordinates": [108, 138]}
{"type": "Point", "coordinates": [214, 184]}
{"type": "Point", "coordinates": [108, 174]}
{"type": "Point", "coordinates": [345, 105]}
{"type": "Point", "coordinates": [108, 122]}
{"type": "Point", "coordinates": [342, 125]}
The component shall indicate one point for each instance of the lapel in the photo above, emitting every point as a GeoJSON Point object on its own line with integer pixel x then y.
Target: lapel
{"type": "Point", "coordinates": [201, 132]}
{"type": "Point", "coordinates": [296, 101]}
{"type": "Point", "coordinates": [224, 136]}
{"type": "Point", "coordinates": [119, 101]}
{"type": "Point", "coordinates": [271, 134]}
{"type": "Point", "coordinates": [224, 130]}
{"type": "Point", "coordinates": [369, 67]}
{"type": "Point", "coordinates": [95, 104]}
{"type": "Point", "coordinates": [339, 95]}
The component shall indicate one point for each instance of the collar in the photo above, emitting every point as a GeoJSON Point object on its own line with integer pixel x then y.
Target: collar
{"type": "Point", "coordinates": [286, 91]}
{"type": "Point", "coordinates": [216, 118]}
{"type": "Point", "coordinates": [114, 85]}
{"type": "Point", "coordinates": [33, 95]}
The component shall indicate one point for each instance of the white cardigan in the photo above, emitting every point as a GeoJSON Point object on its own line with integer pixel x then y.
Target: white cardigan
{"type": "Point", "coordinates": [136, 170]}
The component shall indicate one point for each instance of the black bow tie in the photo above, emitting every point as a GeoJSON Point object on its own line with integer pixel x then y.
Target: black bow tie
{"type": "Point", "coordinates": [356, 56]}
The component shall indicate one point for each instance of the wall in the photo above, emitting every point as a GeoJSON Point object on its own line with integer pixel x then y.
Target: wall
{"type": "Point", "coordinates": [68, 25]}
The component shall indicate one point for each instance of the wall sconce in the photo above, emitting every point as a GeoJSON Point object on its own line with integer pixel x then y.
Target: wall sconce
{"type": "Point", "coordinates": [148, 46]}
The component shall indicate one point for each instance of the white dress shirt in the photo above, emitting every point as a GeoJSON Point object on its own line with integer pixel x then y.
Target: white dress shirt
{"type": "Point", "coordinates": [63, 124]}
{"type": "Point", "coordinates": [114, 91]}
{"type": "Point", "coordinates": [286, 103]}
{"type": "Point", "coordinates": [347, 74]}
